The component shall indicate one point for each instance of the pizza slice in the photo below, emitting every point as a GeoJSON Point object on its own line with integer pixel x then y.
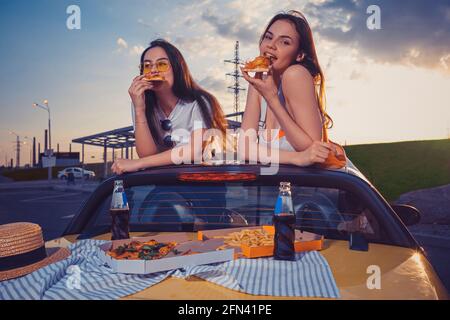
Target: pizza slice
{"type": "Point", "coordinates": [155, 77]}
{"type": "Point", "coordinates": [259, 64]}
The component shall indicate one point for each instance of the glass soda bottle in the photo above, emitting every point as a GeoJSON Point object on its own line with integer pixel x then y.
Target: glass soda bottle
{"type": "Point", "coordinates": [120, 213]}
{"type": "Point", "coordinates": [284, 222]}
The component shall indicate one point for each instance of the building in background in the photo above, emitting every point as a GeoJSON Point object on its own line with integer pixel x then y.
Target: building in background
{"type": "Point", "coordinates": [63, 159]}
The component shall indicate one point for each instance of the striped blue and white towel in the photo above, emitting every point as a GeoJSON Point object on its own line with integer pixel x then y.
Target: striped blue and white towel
{"type": "Point", "coordinates": [81, 276]}
{"type": "Point", "coordinates": [308, 276]}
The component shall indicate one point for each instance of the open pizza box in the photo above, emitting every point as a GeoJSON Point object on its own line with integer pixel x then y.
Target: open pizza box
{"type": "Point", "coordinates": [186, 253]}
{"type": "Point", "coordinates": [304, 241]}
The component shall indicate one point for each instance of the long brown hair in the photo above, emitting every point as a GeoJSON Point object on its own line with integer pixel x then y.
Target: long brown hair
{"type": "Point", "coordinates": [310, 60]}
{"type": "Point", "coordinates": [184, 88]}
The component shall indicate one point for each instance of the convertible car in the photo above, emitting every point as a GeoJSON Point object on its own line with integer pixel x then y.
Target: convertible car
{"type": "Point", "coordinates": [362, 231]}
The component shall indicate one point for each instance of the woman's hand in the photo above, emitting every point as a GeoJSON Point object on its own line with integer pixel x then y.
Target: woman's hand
{"type": "Point", "coordinates": [266, 87]}
{"type": "Point", "coordinates": [137, 92]}
{"type": "Point", "coordinates": [126, 165]}
{"type": "Point", "coordinates": [317, 152]}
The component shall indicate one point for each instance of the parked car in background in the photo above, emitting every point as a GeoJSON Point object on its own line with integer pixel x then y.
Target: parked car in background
{"type": "Point", "coordinates": [77, 172]}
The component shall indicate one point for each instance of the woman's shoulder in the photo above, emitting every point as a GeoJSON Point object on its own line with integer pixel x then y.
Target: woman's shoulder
{"type": "Point", "coordinates": [296, 73]}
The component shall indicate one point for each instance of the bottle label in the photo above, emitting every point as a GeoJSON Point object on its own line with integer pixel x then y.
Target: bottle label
{"type": "Point", "coordinates": [283, 206]}
{"type": "Point", "coordinates": [119, 201]}
{"type": "Point", "coordinates": [278, 206]}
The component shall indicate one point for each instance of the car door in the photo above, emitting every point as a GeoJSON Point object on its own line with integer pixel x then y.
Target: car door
{"type": "Point", "coordinates": [78, 173]}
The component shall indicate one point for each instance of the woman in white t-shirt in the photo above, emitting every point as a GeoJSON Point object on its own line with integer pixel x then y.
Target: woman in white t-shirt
{"type": "Point", "coordinates": [167, 114]}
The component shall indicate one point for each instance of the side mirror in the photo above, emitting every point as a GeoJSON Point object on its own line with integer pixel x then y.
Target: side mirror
{"type": "Point", "coordinates": [408, 214]}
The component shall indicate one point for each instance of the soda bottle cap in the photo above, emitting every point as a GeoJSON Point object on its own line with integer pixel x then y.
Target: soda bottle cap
{"type": "Point", "coordinates": [285, 186]}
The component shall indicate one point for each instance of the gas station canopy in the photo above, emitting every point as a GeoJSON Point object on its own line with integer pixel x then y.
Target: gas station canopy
{"type": "Point", "coordinates": [116, 139]}
{"type": "Point", "coordinates": [124, 137]}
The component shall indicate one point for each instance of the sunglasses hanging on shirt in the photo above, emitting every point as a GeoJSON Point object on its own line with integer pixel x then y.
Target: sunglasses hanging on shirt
{"type": "Point", "coordinates": [166, 125]}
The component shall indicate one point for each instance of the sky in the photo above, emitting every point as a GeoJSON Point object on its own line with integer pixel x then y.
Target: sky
{"type": "Point", "coordinates": [383, 85]}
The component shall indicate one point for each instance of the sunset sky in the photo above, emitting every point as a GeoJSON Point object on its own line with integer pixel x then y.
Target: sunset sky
{"type": "Point", "coordinates": [383, 85]}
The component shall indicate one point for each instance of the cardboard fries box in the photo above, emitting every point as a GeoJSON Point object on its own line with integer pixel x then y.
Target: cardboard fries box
{"type": "Point", "coordinates": [304, 241]}
{"type": "Point", "coordinates": [203, 252]}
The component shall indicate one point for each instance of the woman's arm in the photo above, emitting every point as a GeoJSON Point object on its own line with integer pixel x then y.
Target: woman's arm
{"type": "Point", "coordinates": [316, 152]}
{"type": "Point", "coordinates": [188, 153]}
{"type": "Point", "coordinates": [306, 125]}
{"type": "Point", "coordinates": [145, 145]}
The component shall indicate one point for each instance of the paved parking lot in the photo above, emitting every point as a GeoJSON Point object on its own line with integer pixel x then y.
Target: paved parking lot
{"type": "Point", "coordinates": [49, 208]}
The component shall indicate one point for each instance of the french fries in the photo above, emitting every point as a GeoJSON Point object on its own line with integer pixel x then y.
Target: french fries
{"type": "Point", "coordinates": [248, 237]}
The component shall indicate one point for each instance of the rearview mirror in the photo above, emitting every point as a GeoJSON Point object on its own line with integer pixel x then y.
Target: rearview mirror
{"type": "Point", "coordinates": [408, 214]}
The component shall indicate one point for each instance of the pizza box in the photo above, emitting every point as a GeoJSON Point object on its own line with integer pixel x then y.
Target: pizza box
{"type": "Point", "coordinates": [304, 241]}
{"type": "Point", "coordinates": [201, 252]}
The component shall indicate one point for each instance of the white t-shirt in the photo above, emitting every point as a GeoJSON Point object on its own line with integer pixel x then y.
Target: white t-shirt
{"type": "Point", "coordinates": [185, 117]}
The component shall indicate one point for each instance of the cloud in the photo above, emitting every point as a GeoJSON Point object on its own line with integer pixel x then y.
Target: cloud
{"type": "Point", "coordinates": [415, 32]}
{"type": "Point", "coordinates": [216, 82]}
{"type": "Point", "coordinates": [137, 50]}
{"type": "Point", "coordinates": [234, 27]}
{"type": "Point", "coordinates": [146, 24]}
{"type": "Point", "coordinates": [123, 47]}
{"type": "Point", "coordinates": [122, 43]}
{"type": "Point", "coordinates": [355, 75]}
{"type": "Point", "coordinates": [212, 82]}
{"type": "Point", "coordinates": [205, 46]}
{"type": "Point", "coordinates": [445, 61]}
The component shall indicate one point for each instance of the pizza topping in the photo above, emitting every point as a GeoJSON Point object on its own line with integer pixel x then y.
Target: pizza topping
{"type": "Point", "coordinates": [149, 250]}
{"type": "Point", "coordinates": [259, 63]}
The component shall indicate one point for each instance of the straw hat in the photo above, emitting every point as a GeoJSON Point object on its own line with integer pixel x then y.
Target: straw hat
{"type": "Point", "coordinates": [22, 250]}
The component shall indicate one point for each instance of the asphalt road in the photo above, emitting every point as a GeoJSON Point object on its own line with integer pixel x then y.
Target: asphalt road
{"type": "Point", "coordinates": [53, 210]}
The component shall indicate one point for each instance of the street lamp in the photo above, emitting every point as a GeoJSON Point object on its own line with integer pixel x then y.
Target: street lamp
{"type": "Point", "coordinates": [46, 107]}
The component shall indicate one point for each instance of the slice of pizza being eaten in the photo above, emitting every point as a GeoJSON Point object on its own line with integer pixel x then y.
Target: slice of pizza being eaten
{"type": "Point", "coordinates": [259, 64]}
{"type": "Point", "coordinates": [156, 77]}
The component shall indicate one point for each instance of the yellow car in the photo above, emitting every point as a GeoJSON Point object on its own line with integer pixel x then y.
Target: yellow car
{"type": "Point", "coordinates": [369, 250]}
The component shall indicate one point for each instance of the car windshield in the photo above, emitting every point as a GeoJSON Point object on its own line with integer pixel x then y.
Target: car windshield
{"type": "Point", "coordinates": [333, 213]}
